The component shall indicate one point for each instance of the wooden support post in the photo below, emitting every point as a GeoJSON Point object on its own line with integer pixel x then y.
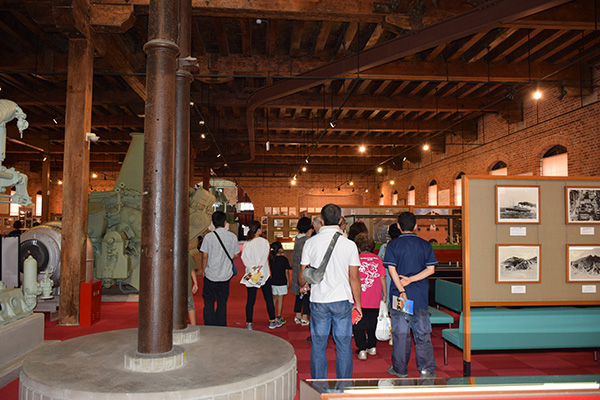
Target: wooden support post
{"type": "Point", "coordinates": [45, 187]}
{"type": "Point", "coordinates": [206, 178]}
{"type": "Point", "coordinates": [155, 332]}
{"type": "Point", "coordinates": [181, 225]}
{"type": "Point", "coordinates": [76, 170]}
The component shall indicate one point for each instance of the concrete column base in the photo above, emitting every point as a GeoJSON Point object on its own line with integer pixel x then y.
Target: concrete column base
{"type": "Point", "coordinates": [190, 334]}
{"type": "Point", "coordinates": [169, 361]}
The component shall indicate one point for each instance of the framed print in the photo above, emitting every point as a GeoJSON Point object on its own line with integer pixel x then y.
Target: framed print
{"type": "Point", "coordinates": [264, 220]}
{"type": "Point", "coordinates": [283, 211]}
{"type": "Point", "coordinates": [517, 204]}
{"type": "Point", "coordinates": [275, 210]}
{"type": "Point", "coordinates": [583, 205]}
{"type": "Point", "coordinates": [293, 211]}
{"type": "Point", "coordinates": [518, 263]}
{"type": "Point", "coordinates": [268, 211]}
{"type": "Point", "coordinates": [583, 263]}
{"type": "Point", "coordinates": [293, 222]}
{"type": "Point", "coordinates": [278, 222]}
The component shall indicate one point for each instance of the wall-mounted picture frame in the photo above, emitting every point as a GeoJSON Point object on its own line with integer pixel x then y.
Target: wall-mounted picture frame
{"type": "Point", "coordinates": [275, 210]}
{"type": "Point", "coordinates": [268, 211]}
{"type": "Point", "coordinates": [517, 204]}
{"type": "Point", "coordinates": [278, 222]}
{"type": "Point", "coordinates": [293, 223]}
{"type": "Point", "coordinates": [583, 263]}
{"type": "Point", "coordinates": [518, 263]}
{"type": "Point", "coordinates": [582, 205]}
{"type": "Point", "coordinates": [264, 220]}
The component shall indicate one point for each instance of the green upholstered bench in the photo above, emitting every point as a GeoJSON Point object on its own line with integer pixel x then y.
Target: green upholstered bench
{"type": "Point", "coordinates": [529, 328]}
{"type": "Point", "coordinates": [449, 295]}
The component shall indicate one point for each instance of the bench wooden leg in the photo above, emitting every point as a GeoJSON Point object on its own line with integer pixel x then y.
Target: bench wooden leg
{"type": "Point", "coordinates": [445, 352]}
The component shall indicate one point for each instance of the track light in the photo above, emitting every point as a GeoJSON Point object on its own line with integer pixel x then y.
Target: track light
{"type": "Point", "coordinates": [339, 188]}
{"type": "Point", "coordinates": [511, 94]}
{"type": "Point", "coordinates": [403, 158]}
{"type": "Point", "coordinates": [366, 190]}
{"type": "Point", "coordinates": [267, 145]}
{"type": "Point", "coordinates": [381, 195]}
{"type": "Point", "coordinates": [562, 94]}
{"type": "Point", "coordinates": [379, 169]}
{"type": "Point", "coordinates": [203, 136]}
{"type": "Point", "coordinates": [425, 147]}
{"type": "Point", "coordinates": [56, 119]}
{"type": "Point", "coordinates": [293, 182]}
{"type": "Point", "coordinates": [333, 123]}
{"type": "Point", "coordinates": [201, 122]}
{"type": "Point", "coordinates": [94, 175]}
{"type": "Point", "coordinates": [392, 182]}
{"type": "Point", "coordinates": [303, 169]}
{"type": "Point", "coordinates": [351, 183]}
{"type": "Point", "coordinates": [60, 182]}
{"type": "Point", "coordinates": [537, 94]}
{"type": "Point", "coordinates": [362, 149]}
{"type": "Point", "coordinates": [218, 155]}
{"type": "Point", "coordinates": [306, 161]}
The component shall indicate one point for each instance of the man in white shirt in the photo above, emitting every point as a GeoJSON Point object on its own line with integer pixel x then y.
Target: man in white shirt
{"type": "Point", "coordinates": [217, 268]}
{"type": "Point", "coordinates": [331, 300]}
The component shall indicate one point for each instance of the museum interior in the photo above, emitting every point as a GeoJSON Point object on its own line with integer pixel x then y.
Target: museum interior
{"type": "Point", "coordinates": [125, 123]}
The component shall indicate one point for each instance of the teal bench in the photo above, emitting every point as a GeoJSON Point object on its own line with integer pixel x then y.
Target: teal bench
{"type": "Point", "coordinates": [449, 295]}
{"type": "Point", "coordinates": [529, 328]}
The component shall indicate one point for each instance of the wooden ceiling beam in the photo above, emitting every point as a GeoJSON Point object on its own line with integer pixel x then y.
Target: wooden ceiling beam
{"type": "Point", "coordinates": [246, 28]}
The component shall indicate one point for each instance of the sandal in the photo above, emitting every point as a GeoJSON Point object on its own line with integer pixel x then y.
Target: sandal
{"type": "Point", "coordinates": [297, 320]}
{"type": "Point", "coordinates": [304, 322]}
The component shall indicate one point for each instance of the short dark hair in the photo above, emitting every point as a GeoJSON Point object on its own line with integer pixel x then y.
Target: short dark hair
{"type": "Point", "coordinates": [356, 228]}
{"type": "Point", "coordinates": [218, 219]}
{"type": "Point", "coordinates": [304, 225]}
{"type": "Point", "coordinates": [331, 214]}
{"type": "Point", "coordinates": [394, 231]}
{"type": "Point", "coordinates": [364, 242]}
{"type": "Point", "coordinates": [407, 221]}
{"type": "Point", "coordinates": [18, 224]}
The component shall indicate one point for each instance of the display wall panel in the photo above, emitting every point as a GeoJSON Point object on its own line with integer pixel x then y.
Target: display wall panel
{"type": "Point", "coordinates": [552, 234]}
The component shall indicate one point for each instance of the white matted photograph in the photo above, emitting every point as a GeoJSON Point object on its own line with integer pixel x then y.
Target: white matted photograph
{"type": "Point", "coordinates": [517, 204]}
{"type": "Point", "coordinates": [518, 263]}
{"type": "Point", "coordinates": [583, 263]}
{"type": "Point", "coordinates": [583, 205]}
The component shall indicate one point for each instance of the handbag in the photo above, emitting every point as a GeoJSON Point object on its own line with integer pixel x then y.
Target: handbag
{"type": "Point", "coordinates": [383, 331]}
{"type": "Point", "coordinates": [315, 275]}
{"type": "Point", "coordinates": [234, 269]}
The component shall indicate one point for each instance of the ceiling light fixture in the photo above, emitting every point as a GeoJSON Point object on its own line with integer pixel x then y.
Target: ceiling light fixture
{"type": "Point", "coordinates": [351, 183]}
{"type": "Point", "coordinates": [381, 195]}
{"type": "Point", "coordinates": [379, 169]}
{"type": "Point", "coordinates": [203, 136]}
{"type": "Point", "coordinates": [218, 155]}
{"type": "Point", "coordinates": [339, 188]}
{"type": "Point", "coordinates": [59, 182]}
{"type": "Point", "coordinates": [303, 169]}
{"type": "Point", "coordinates": [201, 123]}
{"type": "Point", "coordinates": [267, 145]}
{"type": "Point", "coordinates": [403, 158]}
{"type": "Point", "coordinates": [366, 190]}
{"type": "Point", "coordinates": [537, 94]}
{"type": "Point", "coordinates": [306, 161]}
{"type": "Point", "coordinates": [362, 149]}
{"type": "Point", "coordinates": [562, 94]}
{"type": "Point", "coordinates": [425, 147]}
{"type": "Point", "coordinates": [333, 123]}
{"type": "Point", "coordinates": [56, 119]}
{"type": "Point", "coordinates": [392, 182]}
{"type": "Point", "coordinates": [94, 175]}
{"type": "Point", "coordinates": [293, 182]}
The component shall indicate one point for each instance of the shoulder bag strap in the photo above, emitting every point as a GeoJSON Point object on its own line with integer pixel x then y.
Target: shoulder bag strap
{"type": "Point", "coordinates": [329, 250]}
{"type": "Point", "coordinates": [223, 246]}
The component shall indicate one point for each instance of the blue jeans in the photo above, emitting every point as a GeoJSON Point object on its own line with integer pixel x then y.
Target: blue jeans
{"type": "Point", "coordinates": [337, 318]}
{"type": "Point", "coordinates": [421, 326]}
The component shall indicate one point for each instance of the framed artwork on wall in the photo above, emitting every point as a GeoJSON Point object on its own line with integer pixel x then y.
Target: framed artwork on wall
{"type": "Point", "coordinates": [582, 205]}
{"type": "Point", "coordinates": [517, 204]}
{"type": "Point", "coordinates": [518, 263]}
{"type": "Point", "coordinates": [293, 222]}
{"type": "Point", "coordinates": [278, 222]}
{"type": "Point", "coordinates": [583, 263]}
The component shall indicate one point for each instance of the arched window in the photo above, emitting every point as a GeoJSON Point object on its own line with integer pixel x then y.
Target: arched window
{"type": "Point", "coordinates": [410, 197]}
{"type": "Point", "coordinates": [555, 162]}
{"type": "Point", "coordinates": [432, 197]}
{"type": "Point", "coordinates": [394, 197]}
{"type": "Point", "coordinates": [499, 168]}
{"type": "Point", "coordinates": [458, 189]}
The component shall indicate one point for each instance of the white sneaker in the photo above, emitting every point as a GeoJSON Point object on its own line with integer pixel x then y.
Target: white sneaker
{"type": "Point", "coordinates": [372, 351]}
{"type": "Point", "coordinates": [362, 355]}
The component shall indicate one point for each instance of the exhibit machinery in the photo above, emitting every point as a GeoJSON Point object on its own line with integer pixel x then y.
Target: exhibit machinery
{"type": "Point", "coordinates": [9, 177]}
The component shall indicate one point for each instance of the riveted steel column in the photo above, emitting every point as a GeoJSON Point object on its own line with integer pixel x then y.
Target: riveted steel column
{"type": "Point", "coordinates": [182, 169]}
{"type": "Point", "coordinates": [155, 332]}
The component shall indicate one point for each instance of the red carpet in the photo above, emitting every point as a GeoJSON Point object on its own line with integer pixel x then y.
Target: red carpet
{"type": "Point", "coordinates": [124, 315]}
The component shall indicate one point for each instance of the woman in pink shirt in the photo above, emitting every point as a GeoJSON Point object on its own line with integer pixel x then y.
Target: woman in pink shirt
{"type": "Point", "coordinates": [373, 290]}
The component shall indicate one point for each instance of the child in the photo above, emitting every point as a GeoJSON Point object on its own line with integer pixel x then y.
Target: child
{"type": "Point", "coordinates": [373, 290]}
{"type": "Point", "coordinates": [279, 266]}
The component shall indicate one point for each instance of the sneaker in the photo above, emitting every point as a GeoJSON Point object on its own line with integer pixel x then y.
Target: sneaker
{"type": "Point", "coordinates": [304, 322]}
{"type": "Point", "coordinates": [392, 371]}
{"type": "Point", "coordinates": [362, 355]}
{"type": "Point", "coordinates": [372, 351]}
{"type": "Point", "coordinates": [428, 374]}
{"type": "Point", "coordinates": [309, 339]}
{"type": "Point", "coordinates": [250, 326]}
{"type": "Point", "coordinates": [297, 320]}
{"type": "Point", "coordinates": [391, 342]}
{"type": "Point", "coordinates": [281, 321]}
{"type": "Point", "coordinates": [273, 324]}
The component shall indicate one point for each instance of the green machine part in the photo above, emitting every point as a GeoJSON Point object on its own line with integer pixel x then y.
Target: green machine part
{"type": "Point", "coordinates": [115, 220]}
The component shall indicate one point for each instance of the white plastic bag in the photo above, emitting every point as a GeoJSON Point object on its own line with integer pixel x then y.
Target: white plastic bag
{"type": "Point", "coordinates": [384, 323]}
